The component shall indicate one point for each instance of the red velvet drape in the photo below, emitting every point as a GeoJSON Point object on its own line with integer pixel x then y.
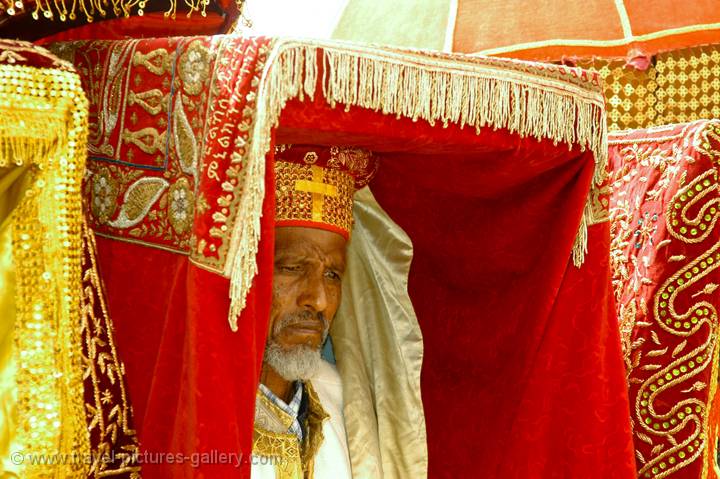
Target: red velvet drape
{"type": "Point", "coordinates": [192, 380]}
{"type": "Point", "coordinates": [522, 374]}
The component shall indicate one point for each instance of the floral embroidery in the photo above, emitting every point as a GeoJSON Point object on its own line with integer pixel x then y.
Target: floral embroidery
{"type": "Point", "coordinates": [180, 205]}
{"type": "Point", "coordinates": [153, 105]}
{"type": "Point", "coordinates": [104, 196]}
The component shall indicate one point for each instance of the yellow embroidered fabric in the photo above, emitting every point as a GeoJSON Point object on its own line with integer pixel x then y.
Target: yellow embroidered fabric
{"type": "Point", "coordinates": [313, 194]}
{"type": "Point", "coordinates": [43, 128]}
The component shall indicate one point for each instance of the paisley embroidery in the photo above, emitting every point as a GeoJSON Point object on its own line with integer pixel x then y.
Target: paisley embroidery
{"type": "Point", "coordinates": [139, 198]}
{"type": "Point", "coordinates": [186, 146]}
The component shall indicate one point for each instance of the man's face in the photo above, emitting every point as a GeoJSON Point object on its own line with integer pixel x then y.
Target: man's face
{"type": "Point", "coordinates": [307, 283]}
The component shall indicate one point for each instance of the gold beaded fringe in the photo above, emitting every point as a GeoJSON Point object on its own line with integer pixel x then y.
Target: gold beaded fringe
{"type": "Point", "coordinates": [476, 92]}
{"type": "Point", "coordinates": [43, 125]}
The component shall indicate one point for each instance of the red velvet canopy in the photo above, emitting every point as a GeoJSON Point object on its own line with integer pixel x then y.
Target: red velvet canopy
{"type": "Point", "coordinates": [523, 374]}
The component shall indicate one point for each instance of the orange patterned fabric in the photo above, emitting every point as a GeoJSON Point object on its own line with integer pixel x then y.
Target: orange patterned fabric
{"type": "Point", "coordinates": [665, 255]}
{"type": "Point", "coordinates": [679, 86]}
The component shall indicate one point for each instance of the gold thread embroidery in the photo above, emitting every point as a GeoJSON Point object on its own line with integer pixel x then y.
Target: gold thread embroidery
{"type": "Point", "coordinates": [292, 460]}
{"type": "Point", "coordinates": [110, 411]}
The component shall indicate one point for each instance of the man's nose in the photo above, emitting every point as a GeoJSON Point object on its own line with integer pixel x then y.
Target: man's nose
{"type": "Point", "coordinates": [314, 296]}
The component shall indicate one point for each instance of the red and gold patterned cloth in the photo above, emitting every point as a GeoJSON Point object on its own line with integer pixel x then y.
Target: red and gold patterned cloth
{"type": "Point", "coordinates": [665, 256]}
{"type": "Point", "coordinates": [510, 278]}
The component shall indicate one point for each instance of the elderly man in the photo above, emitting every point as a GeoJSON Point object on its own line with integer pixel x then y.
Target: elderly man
{"type": "Point", "coordinates": [299, 430]}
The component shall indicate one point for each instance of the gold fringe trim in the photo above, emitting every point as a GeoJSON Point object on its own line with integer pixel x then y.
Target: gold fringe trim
{"type": "Point", "coordinates": [24, 137]}
{"type": "Point", "coordinates": [581, 239]}
{"type": "Point", "coordinates": [289, 73]}
{"type": "Point", "coordinates": [46, 128]}
{"type": "Point", "coordinates": [527, 99]}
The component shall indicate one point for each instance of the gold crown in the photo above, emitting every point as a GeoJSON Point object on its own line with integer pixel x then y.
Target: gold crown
{"type": "Point", "coordinates": [314, 185]}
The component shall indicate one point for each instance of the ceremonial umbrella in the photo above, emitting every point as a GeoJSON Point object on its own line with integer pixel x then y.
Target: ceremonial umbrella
{"type": "Point", "coordinates": [545, 30]}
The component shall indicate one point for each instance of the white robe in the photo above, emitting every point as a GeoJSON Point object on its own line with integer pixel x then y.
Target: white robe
{"type": "Point", "coordinates": [332, 460]}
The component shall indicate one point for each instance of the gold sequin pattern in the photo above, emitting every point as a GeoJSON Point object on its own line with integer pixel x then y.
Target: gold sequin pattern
{"type": "Point", "coordinates": [292, 204]}
{"type": "Point", "coordinates": [679, 86]}
{"type": "Point", "coordinates": [43, 123]}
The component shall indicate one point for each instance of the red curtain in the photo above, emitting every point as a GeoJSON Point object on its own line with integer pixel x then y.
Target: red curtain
{"type": "Point", "coordinates": [192, 380]}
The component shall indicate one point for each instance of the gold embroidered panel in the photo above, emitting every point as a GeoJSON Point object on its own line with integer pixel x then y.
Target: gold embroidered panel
{"type": "Point", "coordinates": [113, 441]}
{"type": "Point", "coordinates": [665, 255]}
{"type": "Point", "coordinates": [151, 109]}
{"type": "Point", "coordinates": [679, 86]}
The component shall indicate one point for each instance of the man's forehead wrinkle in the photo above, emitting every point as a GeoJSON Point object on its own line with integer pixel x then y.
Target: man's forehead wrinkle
{"type": "Point", "coordinates": [303, 247]}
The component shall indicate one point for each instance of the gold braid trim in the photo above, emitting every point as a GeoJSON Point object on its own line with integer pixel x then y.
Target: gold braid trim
{"type": "Point", "coordinates": [528, 99]}
{"type": "Point", "coordinates": [43, 124]}
{"type": "Point", "coordinates": [315, 437]}
{"type": "Point", "coordinates": [283, 449]}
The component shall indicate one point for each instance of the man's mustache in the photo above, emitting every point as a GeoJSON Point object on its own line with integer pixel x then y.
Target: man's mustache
{"type": "Point", "coordinates": [301, 317]}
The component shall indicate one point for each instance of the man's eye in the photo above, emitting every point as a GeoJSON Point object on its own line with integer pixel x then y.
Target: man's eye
{"type": "Point", "coordinates": [332, 275]}
{"type": "Point", "coordinates": [290, 268]}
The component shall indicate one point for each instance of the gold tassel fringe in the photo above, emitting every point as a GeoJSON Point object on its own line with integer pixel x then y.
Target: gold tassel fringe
{"type": "Point", "coordinates": [532, 101]}
{"type": "Point", "coordinates": [46, 128]}
{"type": "Point", "coordinates": [289, 73]}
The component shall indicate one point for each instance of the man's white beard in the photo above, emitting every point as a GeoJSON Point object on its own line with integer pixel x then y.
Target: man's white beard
{"type": "Point", "coordinates": [297, 363]}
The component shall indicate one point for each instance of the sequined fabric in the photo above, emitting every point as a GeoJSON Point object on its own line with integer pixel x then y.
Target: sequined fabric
{"type": "Point", "coordinates": [43, 126]}
{"type": "Point", "coordinates": [679, 86]}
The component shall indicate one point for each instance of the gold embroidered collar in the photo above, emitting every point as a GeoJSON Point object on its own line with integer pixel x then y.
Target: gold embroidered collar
{"type": "Point", "coordinates": [271, 439]}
